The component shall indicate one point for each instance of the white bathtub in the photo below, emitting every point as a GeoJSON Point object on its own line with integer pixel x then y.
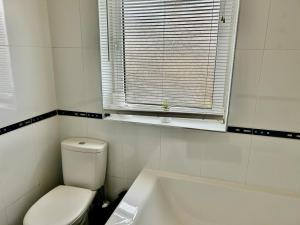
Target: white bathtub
{"type": "Point", "coordinates": [161, 198]}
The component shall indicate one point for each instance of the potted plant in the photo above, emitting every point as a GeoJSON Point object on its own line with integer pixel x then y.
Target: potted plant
{"type": "Point", "coordinates": [165, 107]}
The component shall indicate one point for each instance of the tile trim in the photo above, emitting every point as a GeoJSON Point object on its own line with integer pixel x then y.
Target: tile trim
{"type": "Point", "coordinates": [230, 129]}
{"type": "Point", "coordinates": [79, 114]}
{"type": "Point", "coordinates": [264, 132]}
{"type": "Point", "coordinates": [27, 122]}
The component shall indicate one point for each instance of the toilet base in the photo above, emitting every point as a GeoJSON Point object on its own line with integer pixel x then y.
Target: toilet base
{"type": "Point", "coordinates": [82, 220]}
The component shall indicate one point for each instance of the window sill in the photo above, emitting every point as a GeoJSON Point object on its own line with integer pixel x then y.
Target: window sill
{"type": "Point", "coordinates": [198, 124]}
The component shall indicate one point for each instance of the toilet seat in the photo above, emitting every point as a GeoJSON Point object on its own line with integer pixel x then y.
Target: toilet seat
{"type": "Point", "coordinates": [61, 206]}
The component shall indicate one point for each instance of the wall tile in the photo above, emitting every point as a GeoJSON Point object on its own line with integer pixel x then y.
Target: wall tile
{"type": "Point", "coordinates": [282, 30]}
{"type": "Point", "coordinates": [70, 79]}
{"type": "Point", "coordinates": [280, 74]}
{"type": "Point", "coordinates": [274, 163]}
{"type": "Point", "coordinates": [32, 77]}
{"type": "Point", "coordinates": [279, 92]}
{"type": "Point", "coordinates": [177, 155]}
{"type": "Point", "coordinates": [247, 70]}
{"type": "Point", "coordinates": [31, 68]}
{"type": "Point", "coordinates": [224, 156]}
{"type": "Point", "coordinates": [277, 114]}
{"type": "Point", "coordinates": [242, 111]}
{"type": "Point", "coordinates": [17, 211]}
{"type": "Point", "coordinates": [64, 17]}
{"type": "Point", "coordinates": [89, 23]}
{"type": "Point", "coordinates": [47, 147]}
{"type": "Point", "coordinates": [110, 131]}
{"type": "Point", "coordinates": [91, 67]}
{"type": "Point", "coordinates": [27, 23]}
{"type": "Point", "coordinates": [141, 146]}
{"type": "Point", "coordinates": [72, 127]}
{"type": "Point", "coordinates": [3, 219]}
{"type": "Point", "coordinates": [252, 24]}
{"type": "Point", "coordinates": [18, 167]}
{"type": "Point", "coordinates": [115, 186]}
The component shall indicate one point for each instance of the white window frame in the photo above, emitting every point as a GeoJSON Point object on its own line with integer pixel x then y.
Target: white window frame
{"type": "Point", "coordinates": [204, 122]}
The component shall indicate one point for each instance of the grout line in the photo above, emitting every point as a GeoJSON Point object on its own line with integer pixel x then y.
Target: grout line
{"type": "Point", "coordinates": [258, 96]}
{"type": "Point", "coordinates": [248, 161]}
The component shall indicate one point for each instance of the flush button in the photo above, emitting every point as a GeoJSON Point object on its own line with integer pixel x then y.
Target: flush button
{"type": "Point", "coordinates": [81, 143]}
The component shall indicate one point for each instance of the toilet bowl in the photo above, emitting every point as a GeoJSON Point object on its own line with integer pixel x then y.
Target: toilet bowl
{"type": "Point", "coordinates": [84, 168]}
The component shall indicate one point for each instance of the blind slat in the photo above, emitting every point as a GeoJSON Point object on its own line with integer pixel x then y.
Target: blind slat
{"type": "Point", "coordinates": [155, 50]}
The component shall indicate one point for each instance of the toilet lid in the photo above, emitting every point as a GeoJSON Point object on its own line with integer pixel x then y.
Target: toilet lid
{"type": "Point", "coordinates": [61, 206]}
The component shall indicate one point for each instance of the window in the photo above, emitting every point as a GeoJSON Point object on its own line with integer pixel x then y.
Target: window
{"type": "Point", "coordinates": [167, 57]}
{"type": "Point", "coordinates": [6, 81]}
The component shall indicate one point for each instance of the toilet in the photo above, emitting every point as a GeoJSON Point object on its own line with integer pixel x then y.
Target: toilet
{"type": "Point", "coordinates": [84, 168]}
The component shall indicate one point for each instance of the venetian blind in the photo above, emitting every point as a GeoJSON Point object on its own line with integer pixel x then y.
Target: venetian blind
{"type": "Point", "coordinates": [175, 51]}
{"type": "Point", "coordinates": [6, 81]}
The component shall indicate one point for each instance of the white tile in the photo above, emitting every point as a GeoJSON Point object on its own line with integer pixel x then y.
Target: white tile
{"type": "Point", "coordinates": [2, 203]}
{"type": "Point", "coordinates": [141, 146]}
{"type": "Point", "coordinates": [27, 22]}
{"type": "Point", "coordinates": [283, 23]}
{"type": "Point", "coordinates": [277, 114]}
{"type": "Point", "coordinates": [115, 186]}
{"type": "Point", "coordinates": [246, 77]}
{"type": "Point", "coordinates": [178, 154]}
{"type": "Point", "coordinates": [70, 79]}
{"type": "Point", "coordinates": [279, 91]}
{"type": "Point", "coordinates": [89, 23]}
{"type": "Point", "coordinates": [91, 67]}
{"type": "Point", "coordinates": [17, 211]}
{"type": "Point", "coordinates": [247, 70]}
{"type": "Point", "coordinates": [47, 145]}
{"type": "Point", "coordinates": [32, 77]}
{"type": "Point", "coordinates": [253, 21]}
{"type": "Point", "coordinates": [64, 17]}
{"type": "Point", "coordinates": [242, 111]}
{"type": "Point", "coordinates": [128, 183]}
{"type": "Point", "coordinates": [109, 131]}
{"type": "Point", "coordinates": [274, 163]}
{"type": "Point", "coordinates": [280, 74]}
{"type": "Point", "coordinates": [225, 155]}
{"type": "Point", "coordinates": [72, 127]}
{"type": "Point", "coordinates": [3, 219]}
{"type": "Point", "coordinates": [18, 164]}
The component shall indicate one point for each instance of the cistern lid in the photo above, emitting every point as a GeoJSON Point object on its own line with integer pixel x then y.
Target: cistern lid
{"type": "Point", "coordinates": [87, 145]}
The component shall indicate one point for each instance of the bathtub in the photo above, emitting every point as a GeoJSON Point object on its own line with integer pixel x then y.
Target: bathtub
{"type": "Point", "coordinates": [162, 198]}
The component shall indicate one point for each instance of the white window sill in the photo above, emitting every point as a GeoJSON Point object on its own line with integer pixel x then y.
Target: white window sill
{"type": "Point", "coordinates": [174, 122]}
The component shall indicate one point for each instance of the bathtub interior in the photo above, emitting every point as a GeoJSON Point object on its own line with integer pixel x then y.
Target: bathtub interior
{"type": "Point", "coordinates": [205, 203]}
{"type": "Point", "coordinates": [159, 199]}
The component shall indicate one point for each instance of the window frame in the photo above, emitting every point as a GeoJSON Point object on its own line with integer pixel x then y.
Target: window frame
{"type": "Point", "coordinates": [203, 121]}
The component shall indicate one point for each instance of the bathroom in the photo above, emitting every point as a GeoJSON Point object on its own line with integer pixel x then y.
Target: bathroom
{"type": "Point", "coordinates": [52, 88]}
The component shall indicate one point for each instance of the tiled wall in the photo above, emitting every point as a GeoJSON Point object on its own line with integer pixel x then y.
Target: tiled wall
{"type": "Point", "coordinates": [29, 156]}
{"type": "Point", "coordinates": [74, 32]}
{"type": "Point", "coordinates": [265, 95]}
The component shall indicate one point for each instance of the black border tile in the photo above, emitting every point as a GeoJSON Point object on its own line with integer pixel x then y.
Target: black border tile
{"type": "Point", "coordinates": [71, 113]}
{"type": "Point", "coordinates": [276, 133]}
{"type": "Point", "coordinates": [240, 130]}
{"type": "Point", "coordinates": [27, 122]}
{"type": "Point", "coordinates": [44, 116]}
{"type": "Point", "coordinates": [80, 114]}
{"type": "Point", "coordinates": [230, 129]}
{"type": "Point", "coordinates": [264, 132]}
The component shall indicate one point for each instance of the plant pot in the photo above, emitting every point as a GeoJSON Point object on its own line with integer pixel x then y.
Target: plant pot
{"type": "Point", "coordinates": [165, 119]}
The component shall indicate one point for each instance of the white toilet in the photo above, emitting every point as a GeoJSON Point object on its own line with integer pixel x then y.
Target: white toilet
{"type": "Point", "coordinates": [84, 168]}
